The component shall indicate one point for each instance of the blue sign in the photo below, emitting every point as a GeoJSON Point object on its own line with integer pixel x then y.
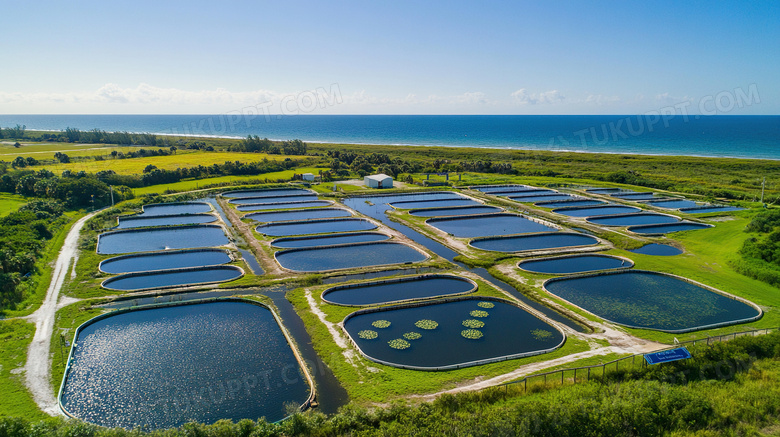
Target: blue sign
{"type": "Point", "coordinates": [680, 353]}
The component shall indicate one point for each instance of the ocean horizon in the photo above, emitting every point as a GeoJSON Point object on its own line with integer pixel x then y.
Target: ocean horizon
{"type": "Point", "coordinates": [733, 136]}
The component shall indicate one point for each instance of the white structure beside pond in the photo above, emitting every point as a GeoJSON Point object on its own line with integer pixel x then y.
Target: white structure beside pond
{"type": "Point", "coordinates": [378, 181]}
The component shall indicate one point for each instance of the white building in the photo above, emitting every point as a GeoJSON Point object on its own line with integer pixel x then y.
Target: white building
{"type": "Point", "coordinates": [378, 181]}
{"type": "Point", "coordinates": [307, 177]}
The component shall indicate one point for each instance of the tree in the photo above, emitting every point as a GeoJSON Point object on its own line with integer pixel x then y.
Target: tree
{"type": "Point", "coordinates": [19, 162]}
{"type": "Point", "coordinates": [61, 157]}
{"type": "Point", "coordinates": [17, 145]}
{"type": "Point", "coordinates": [149, 168]}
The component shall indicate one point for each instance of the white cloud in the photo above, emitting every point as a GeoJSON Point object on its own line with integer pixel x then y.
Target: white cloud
{"type": "Point", "coordinates": [668, 99]}
{"type": "Point", "coordinates": [600, 99]}
{"type": "Point", "coordinates": [545, 98]}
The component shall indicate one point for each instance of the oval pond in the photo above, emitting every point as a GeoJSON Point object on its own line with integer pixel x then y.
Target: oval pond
{"type": "Point", "coordinates": [317, 259]}
{"type": "Point", "coordinates": [396, 290]}
{"type": "Point", "coordinates": [542, 241]}
{"type": "Point", "coordinates": [164, 261]}
{"type": "Point", "coordinates": [574, 264]}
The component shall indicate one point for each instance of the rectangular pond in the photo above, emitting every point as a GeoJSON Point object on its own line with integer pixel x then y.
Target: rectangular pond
{"type": "Point", "coordinates": [154, 239]}
{"type": "Point", "coordinates": [320, 226]}
{"type": "Point", "coordinates": [162, 367]}
{"type": "Point", "coordinates": [641, 218]}
{"type": "Point", "coordinates": [269, 192]}
{"type": "Point", "coordinates": [487, 225]}
{"type": "Point", "coordinates": [326, 258]}
{"type": "Point", "coordinates": [172, 278]}
{"type": "Point", "coordinates": [542, 197]}
{"type": "Point", "coordinates": [566, 265]}
{"type": "Point", "coordinates": [707, 209]}
{"type": "Point", "coordinates": [175, 208]}
{"type": "Point", "coordinates": [454, 211]}
{"type": "Point", "coordinates": [589, 211]}
{"type": "Point", "coordinates": [136, 221]}
{"type": "Point", "coordinates": [298, 214]}
{"type": "Point", "coordinates": [541, 241]}
{"type": "Point", "coordinates": [492, 188]}
{"type": "Point", "coordinates": [450, 334]}
{"type": "Point", "coordinates": [164, 261]}
{"type": "Point", "coordinates": [398, 290]}
{"type": "Point", "coordinates": [273, 199]}
{"type": "Point", "coordinates": [433, 203]}
{"type": "Point", "coordinates": [672, 203]}
{"type": "Point", "coordinates": [569, 203]}
{"type": "Point", "coordinates": [284, 205]}
{"type": "Point", "coordinates": [651, 300]}
{"type": "Point", "coordinates": [329, 240]}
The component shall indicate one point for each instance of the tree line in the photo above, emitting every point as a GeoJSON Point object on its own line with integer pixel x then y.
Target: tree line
{"type": "Point", "coordinates": [255, 144]}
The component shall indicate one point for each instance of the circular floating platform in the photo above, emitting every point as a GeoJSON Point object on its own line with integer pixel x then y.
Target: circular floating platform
{"type": "Point", "coordinates": [450, 334]}
{"type": "Point", "coordinates": [575, 264]}
{"type": "Point", "coordinates": [652, 300]}
{"type": "Point", "coordinates": [398, 290]}
{"type": "Point", "coordinates": [541, 241]}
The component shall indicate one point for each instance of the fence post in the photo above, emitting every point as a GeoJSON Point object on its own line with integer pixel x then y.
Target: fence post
{"type": "Point", "coordinates": [588, 374]}
{"type": "Point", "coordinates": [525, 388]}
{"type": "Point", "coordinates": [545, 379]}
{"type": "Point", "coordinates": [575, 375]}
{"type": "Point", "coordinates": [561, 377]}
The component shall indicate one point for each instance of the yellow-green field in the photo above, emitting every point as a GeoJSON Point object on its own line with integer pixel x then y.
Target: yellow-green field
{"type": "Point", "coordinates": [233, 180]}
{"type": "Point", "coordinates": [10, 203]}
{"type": "Point", "coordinates": [181, 159]}
{"type": "Point", "coordinates": [47, 150]}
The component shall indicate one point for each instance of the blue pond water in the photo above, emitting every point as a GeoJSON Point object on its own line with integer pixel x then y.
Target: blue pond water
{"type": "Point", "coordinates": [375, 293]}
{"type": "Point", "coordinates": [596, 210]}
{"type": "Point", "coordinates": [657, 250]}
{"type": "Point", "coordinates": [446, 212]}
{"type": "Point", "coordinates": [273, 192]}
{"type": "Point", "coordinates": [534, 242]}
{"type": "Point", "coordinates": [284, 205]}
{"type": "Point", "coordinates": [348, 256]}
{"type": "Point", "coordinates": [633, 219]}
{"type": "Point", "coordinates": [304, 214]}
{"type": "Point", "coordinates": [673, 204]}
{"type": "Point", "coordinates": [323, 226]}
{"type": "Point", "coordinates": [508, 330]}
{"type": "Point", "coordinates": [167, 220]}
{"type": "Point", "coordinates": [704, 210]}
{"type": "Point", "coordinates": [604, 190]}
{"type": "Point", "coordinates": [261, 200]}
{"type": "Point", "coordinates": [175, 209]}
{"type": "Point", "coordinates": [430, 195]}
{"type": "Point", "coordinates": [542, 198]}
{"type": "Point", "coordinates": [574, 264]}
{"type": "Point", "coordinates": [328, 240]}
{"type": "Point", "coordinates": [502, 188]}
{"type": "Point", "coordinates": [163, 279]}
{"type": "Point", "coordinates": [667, 228]}
{"type": "Point", "coordinates": [153, 239]}
{"type": "Point", "coordinates": [649, 300]}
{"type": "Point", "coordinates": [163, 367]}
{"type": "Point", "coordinates": [526, 193]}
{"type": "Point", "coordinates": [165, 261]}
{"type": "Point", "coordinates": [635, 196]}
{"type": "Point", "coordinates": [568, 203]}
{"type": "Point", "coordinates": [488, 225]}
{"type": "Point", "coordinates": [434, 203]}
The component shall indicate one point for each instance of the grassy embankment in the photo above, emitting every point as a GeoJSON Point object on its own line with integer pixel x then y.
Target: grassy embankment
{"type": "Point", "coordinates": [10, 203]}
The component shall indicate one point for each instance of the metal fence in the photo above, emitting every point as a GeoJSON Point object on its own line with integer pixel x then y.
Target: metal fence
{"type": "Point", "coordinates": [585, 373]}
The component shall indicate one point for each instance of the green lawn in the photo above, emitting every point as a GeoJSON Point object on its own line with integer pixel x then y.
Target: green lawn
{"type": "Point", "coordinates": [224, 180]}
{"type": "Point", "coordinates": [15, 337]}
{"type": "Point", "coordinates": [10, 203]}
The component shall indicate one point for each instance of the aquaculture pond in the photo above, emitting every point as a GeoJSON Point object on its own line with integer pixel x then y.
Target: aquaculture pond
{"type": "Point", "coordinates": [172, 278]}
{"type": "Point", "coordinates": [667, 228]}
{"type": "Point", "coordinates": [329, 240]}
{"type": "Point", "coordinates": [568, 203]}
{"type": "Point", "coordinates": [605, 190]}
{"type": "Point", "coordinates": [284, 205]}
{"type": "Point", "coordinates": [452, 334]}
{"type": "Point", "coordinates": [589, 211]}
{"type": "Point", "coordinates": [273, 199]}
{"type": "Point", "coordinates": [461, 210]}
{"type": "Point", "coordinates": [273, 192]}
{"type": "Point", "coordinates": [154, 239]}
{"type": "Point", "coordinates": [162, 367]}
{"type": "Point", "coordinates": [434, 203]}
{"type": "Point", "coordinates": [543, 197]}
{"type": "Point", "coordinates": [137, 221]}
{"type": "Point", "coordinates": [487, 225]}
{"type": "Point", "coordinates": [642, 218]}
{"type": "Point", "coordinates": [320, 226]}
{"type": "Point", "coordinates": [706, 209]}
{"type": "Point", "coordinates": [407, 197]}
{"type": "Point", "coordinates": [656, 249]}
{"type": "Point", "coordinates": [526, 193]}
{"type": "Point", "coordinates": [492, 188]}
{"type": "Point", "coordinates": [164, 261]}
{"type": "Point", "coordinates": [396, 290]}
{"type": "Point", "coordinates": [177, 208]}
{"type": "Point", "coordinates": [563, 265]}
{"type": "Point", "coordinates": [299, 214]}
{"type": "Point", "coordinates": [636, 196]}
{"type": "Point", "coordinates": [547, 240]}
{"type": "Point", "coordinates": [348, 256]}
{"type": "Point", "coordinates": [651, 300]}
{"type": "Point", "coordinates": [672, 203]}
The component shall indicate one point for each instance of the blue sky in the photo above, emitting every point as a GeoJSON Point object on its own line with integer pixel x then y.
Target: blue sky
{"type": "Point", "coordinates": [394, 57]}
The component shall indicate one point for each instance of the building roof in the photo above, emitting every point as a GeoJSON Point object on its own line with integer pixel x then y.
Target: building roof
{"type": "Point", "coordinates": [379, 177]}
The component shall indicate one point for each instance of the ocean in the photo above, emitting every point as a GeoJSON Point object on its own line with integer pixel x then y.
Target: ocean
{"type": "Point", "coordinates": [682, 135]}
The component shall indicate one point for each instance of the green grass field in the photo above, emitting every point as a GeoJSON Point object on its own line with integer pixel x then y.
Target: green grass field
{"type": "Point", "coordinates": [10, 203]}
{"type": "Point", "coordinates": [197, 184]}
{"type": "Point", "coordinates": [15, 337]}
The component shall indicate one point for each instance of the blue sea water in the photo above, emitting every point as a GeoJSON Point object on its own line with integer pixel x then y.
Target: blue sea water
{"type": "Point", "coordinates": [718, 135]}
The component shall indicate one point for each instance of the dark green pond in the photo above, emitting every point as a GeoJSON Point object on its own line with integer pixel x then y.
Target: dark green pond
{"type": "Point", "coordinates": [164, 261]}
{"type": "Point", "coordinates": [157, 209]}
{"type": "Point", "coordinates": [504, 330]}
{"type": "Point", "coordinates": [129, 222]}
{"type": "Point", "coordinates": [518, 243]}
{"type": "Point", "coordinates": [650, 300]}
{"type": "Point", "coordinates": [329, 240]}
{"type": "Point", "coordinates": [284, 205]}
{"type": "Point", "coordinates": [299, 214]}
{"type": "Point", "coordinates": [574, 264]}
{"type": "Point", "coordinates": [588, 211]}
{"type": "Point", "coordinates": [667, 228]}
{"type": "Point", "coordinates": [172, 278]}
{"type": "Point", "coordinates": [454, 211]}
{"type": "Point", "coordinates": [350, 256]}
{"type": "Point", "coordinates": [382, 292]}
{"type": "Point", "coordinates": [644, 218]}
{"type": "Point", "coordinates": [163, 367]}
{"type": "Point", "coordinates": [321, 226]}
{"type": "Point", "coordinates": [488, 225]}
{"type": "Point", "coordinates": [154, 239]}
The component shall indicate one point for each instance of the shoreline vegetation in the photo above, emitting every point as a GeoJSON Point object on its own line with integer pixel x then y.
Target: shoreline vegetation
{"type": "Point", "coordinates": [48, 179]}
